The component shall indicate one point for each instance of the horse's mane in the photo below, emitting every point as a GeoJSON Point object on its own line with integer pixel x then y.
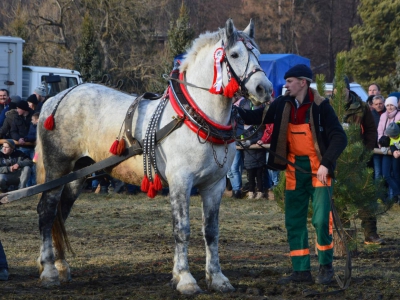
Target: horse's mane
{"type": "Point", "coordinates": [211, 38]}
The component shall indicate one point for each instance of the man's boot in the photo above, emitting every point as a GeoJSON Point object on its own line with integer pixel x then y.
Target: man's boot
{"type": "Point", "coordinates": [237, 194]}
{"type": "Point", "coordinates": [297, 277]}
{"type": "Point", "coordinates": [325, 274]}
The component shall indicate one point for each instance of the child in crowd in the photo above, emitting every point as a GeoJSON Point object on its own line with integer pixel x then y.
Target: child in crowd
{"type": "Point", "coordinates": [254, 159]}
{"type": "Point", "coordinates": [393, 132]}
{"type": "Point", "coordinates": [31, 138]}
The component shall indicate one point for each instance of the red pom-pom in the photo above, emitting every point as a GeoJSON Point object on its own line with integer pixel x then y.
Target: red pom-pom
{"type": "Point", "coordinates": [121, 147]}
{"type": "Point", "coordinates": [49, 122]}
{"type": "Point", "coordinates": [114, 147]}
{"type": "Point", "coordinates": [145, 184]}
{"type": "Point", "coordinates": [157, 183]}
{"type": "Point", "coordinates": [231, 88]}
{"type": "Point", "coordinates": [152, 191]}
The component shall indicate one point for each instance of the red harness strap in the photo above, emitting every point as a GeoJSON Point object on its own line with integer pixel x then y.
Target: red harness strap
{"type": "Point", "coordinates": [203, 134]}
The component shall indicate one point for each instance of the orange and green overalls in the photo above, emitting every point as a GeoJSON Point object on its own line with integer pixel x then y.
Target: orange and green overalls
{"type": "Point", "coordinates": [300, 187]}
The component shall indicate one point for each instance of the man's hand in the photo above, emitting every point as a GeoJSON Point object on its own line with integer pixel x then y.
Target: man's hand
{"type": "Point", "coordinates": [396, 154]}
{"type": "Point", "coordinates": [21, 141]}
{"type": "Point", "coordinates": [322, 174]}
{"type": "Point", "coordinates": [14, 167]}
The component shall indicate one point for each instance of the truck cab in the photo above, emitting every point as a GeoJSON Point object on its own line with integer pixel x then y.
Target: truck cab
{"type": "Point", "coordinates": [54, 80]}
{"type": "Point", "coordinates": [22, 80]}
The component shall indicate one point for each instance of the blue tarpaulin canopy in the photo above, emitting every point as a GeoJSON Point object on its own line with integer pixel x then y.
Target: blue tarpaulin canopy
{"type": "Point", "coordinates": [276, 65]}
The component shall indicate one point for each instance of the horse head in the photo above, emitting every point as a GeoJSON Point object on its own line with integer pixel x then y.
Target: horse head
{"type": "Point", "coordinates": [241, 57]}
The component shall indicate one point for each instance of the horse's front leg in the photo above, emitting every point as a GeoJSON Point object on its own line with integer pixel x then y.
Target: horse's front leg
{"type": "Point", "coordinates": [47, 209]}
{"type": "Point", "coordinates": [182, 279]}
{"type": "Point", "coordinates": [211, 198]}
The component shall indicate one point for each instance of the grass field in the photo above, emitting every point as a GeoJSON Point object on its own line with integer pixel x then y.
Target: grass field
{"type": "Point", "coordinates": [124, 250]}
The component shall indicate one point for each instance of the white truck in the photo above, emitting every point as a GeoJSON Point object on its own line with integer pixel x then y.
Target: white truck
{"type": "Point", "coordinates": [22, 80]}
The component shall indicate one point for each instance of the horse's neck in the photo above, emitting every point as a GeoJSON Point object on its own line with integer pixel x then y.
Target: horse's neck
{"type": "Point", "coordinates": [217, 107]}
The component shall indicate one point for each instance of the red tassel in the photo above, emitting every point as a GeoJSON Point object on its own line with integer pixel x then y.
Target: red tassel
{"type": "Point", "coordinates": [152, 191]}
{"type": "Point", "coordinates": [114, 147]}
{"type": "Point", "coordinates": [145, 184]}
{"type": "Point", "coordinates": [157, 183]}
{"type": "Point", "coordinates": [121, 147]}
{"type": "Point", "coordinates": [49, 122]}
{"type": "Point", "coordinates": [231, 88]}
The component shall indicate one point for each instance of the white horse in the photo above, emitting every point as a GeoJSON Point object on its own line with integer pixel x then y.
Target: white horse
{"type": "Point", "coordinates": [88, 118]}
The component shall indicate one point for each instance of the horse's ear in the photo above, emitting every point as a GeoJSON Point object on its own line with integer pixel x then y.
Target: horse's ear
{"type": "Point", "coordinates": [229, 28]}
{"type": "Point", "coordinates": [250, 29]}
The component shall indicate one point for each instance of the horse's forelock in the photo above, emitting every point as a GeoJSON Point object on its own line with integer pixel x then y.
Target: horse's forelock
{"type": "Point", "coordinates": [239, 35]}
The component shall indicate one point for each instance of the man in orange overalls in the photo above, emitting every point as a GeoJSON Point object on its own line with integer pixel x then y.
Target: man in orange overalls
{"type": "Point", "coordinates": [307, 133]}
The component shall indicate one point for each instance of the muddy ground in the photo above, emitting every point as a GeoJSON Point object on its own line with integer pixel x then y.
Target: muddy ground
{"type": "Point", "coordinates": [124, 250]}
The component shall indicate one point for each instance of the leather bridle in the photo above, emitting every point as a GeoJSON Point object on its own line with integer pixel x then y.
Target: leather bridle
{"type": "Point", "coordinates": [242, 80]}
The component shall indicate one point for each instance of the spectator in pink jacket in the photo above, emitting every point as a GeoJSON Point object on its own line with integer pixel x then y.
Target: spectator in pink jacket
{"type": "Point", "coordinates": [390, 166]}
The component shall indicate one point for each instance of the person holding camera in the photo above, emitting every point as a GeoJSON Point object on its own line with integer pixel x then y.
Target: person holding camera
{"type": "Point", "coordinates": [390, 166]}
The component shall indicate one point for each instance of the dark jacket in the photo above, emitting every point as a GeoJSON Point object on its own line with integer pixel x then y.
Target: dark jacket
{"type": "Point", "coordinates": [16, 157]}
{"type": "Point", "coordinates": [358, 112]}
{"type": "Point", "coordinates": [329, 137]}
{"type": "Point", "coordinates": [254, 158]}
{"type": "Point", "coordinates": [5, 129]}
{"type": "Point", "coordinates": [20, 126]}
{"type": "Point", "coordinates": [31, 136]}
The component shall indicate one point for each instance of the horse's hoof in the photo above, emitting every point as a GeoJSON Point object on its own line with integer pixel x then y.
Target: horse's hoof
{"type": "Point", "coordinates": [64, 273]}
{"type": "Point", "coordinates": [49, 283]}
{"type": "Point", "coordinates": [189, 289]}
{"type": "Point", "coordinates": [186, 284]}
{"type": "Point", "coordinates": [224, 288]}
{"type": "Point", "coordinates": [220, 283]}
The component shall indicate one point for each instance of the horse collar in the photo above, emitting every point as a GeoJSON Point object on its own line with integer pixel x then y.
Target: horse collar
{"type": "Point", "coordinates": [193, 116]}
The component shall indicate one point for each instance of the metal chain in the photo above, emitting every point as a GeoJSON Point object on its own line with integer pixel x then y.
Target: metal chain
{"type": "Point", "coordinates": [220, 165]}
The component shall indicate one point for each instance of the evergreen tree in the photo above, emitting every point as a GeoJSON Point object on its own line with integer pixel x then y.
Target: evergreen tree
{"type": "Point", "coordinates": [180, 34]}
{"type": "Point", "coordinates": [354, 187]}
{"type": "Point", "coordinates": [87, 56]}
{"type": "Point", "coordinates": [373, 59]}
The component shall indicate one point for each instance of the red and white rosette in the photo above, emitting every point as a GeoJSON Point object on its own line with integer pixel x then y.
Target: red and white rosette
{"type": "Point", "coordinates": [216, 87]}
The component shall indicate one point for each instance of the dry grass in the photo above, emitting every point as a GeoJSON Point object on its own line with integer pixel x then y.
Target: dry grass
{"type": "Point", "coordinates": [124, 250]}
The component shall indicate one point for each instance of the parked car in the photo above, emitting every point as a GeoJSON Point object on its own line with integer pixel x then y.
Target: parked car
{"type": "Point", "coordinates": [355, 87]}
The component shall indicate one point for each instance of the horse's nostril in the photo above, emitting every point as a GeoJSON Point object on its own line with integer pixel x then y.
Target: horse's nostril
{"type": "Point", "coordinates": [260, 89]}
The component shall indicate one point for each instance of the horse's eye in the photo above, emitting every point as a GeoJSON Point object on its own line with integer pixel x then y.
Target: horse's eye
{"type": "Point", "coordinates": [234, 55]}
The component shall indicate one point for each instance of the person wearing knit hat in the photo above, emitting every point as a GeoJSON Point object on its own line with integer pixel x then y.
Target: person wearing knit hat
{"type": "Point", "coordinates": [307, 132]}
{"type": "Point", "coordinates": [392, 100]}
{"type": "Point", "coordinates": [23, 105]}
{"type": "Point", "coordinates": [10, 143]}
{"type": "Point", "coordinates": [32, 101]}
{"type": "Point", "coordinates": [300, 71]}
{"type": "Point", "coordinates": [358, 112]}
{"type": "Point", "coordinates": [392, 130]}
{"type": "Point", "coordinates": [21, 123]}
{"type": "Point", "coordinates": [15, 98]}
{"type": "Point", "coordinates": [40, 90]}
{"type": "Point", "coordinates": [346, 82]}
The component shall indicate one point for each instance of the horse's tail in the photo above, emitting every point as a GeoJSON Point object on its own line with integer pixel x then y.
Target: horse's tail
{"type": "Point", "coordinates": [38, 159]}
{"type": "Point", "coordinates": [60, 236]}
